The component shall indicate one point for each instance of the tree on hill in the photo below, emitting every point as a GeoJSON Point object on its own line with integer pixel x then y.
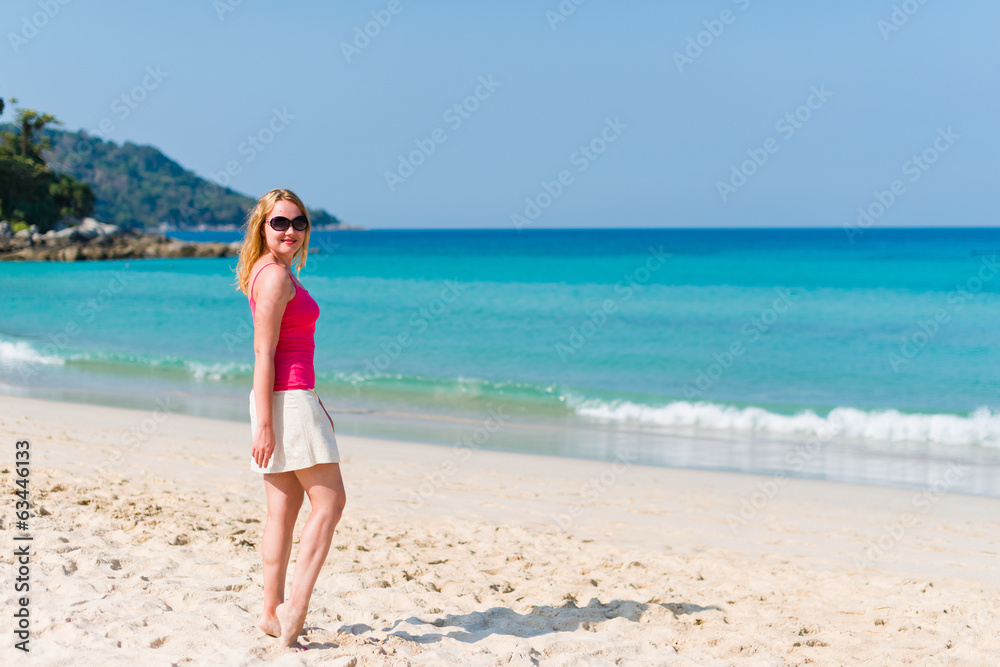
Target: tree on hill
{"type": "Point", "coordinates": [138, 186]}
{"type": "Point", "coordinates": [31, 193]}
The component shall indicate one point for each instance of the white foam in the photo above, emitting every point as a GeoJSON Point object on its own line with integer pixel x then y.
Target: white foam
{"type": "Point", "coordinates": [216, 371]}
{"type": "Point", "coordinates": [19, 352]}
{"type": "Point", "coordinates": [981, 427]}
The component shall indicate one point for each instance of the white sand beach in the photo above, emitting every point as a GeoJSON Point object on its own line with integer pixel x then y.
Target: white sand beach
{"type": "Point", "coordinates": [146, 538]}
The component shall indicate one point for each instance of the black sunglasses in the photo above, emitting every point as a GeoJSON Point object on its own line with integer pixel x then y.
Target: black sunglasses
{"type": "Point", "coordinates": [280, 223]}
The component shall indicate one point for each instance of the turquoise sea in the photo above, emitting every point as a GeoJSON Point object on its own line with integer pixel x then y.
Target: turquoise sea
{"type": "Point", "coordinates": [869, 359]}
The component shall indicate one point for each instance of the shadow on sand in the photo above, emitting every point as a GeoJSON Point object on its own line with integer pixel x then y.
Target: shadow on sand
{"type": "Point", "coordinates": [539, 621]}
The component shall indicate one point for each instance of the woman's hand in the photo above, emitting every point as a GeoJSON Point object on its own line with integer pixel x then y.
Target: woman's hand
{"type": "Point", "coordinates": [326, 411]}
{"type": "Point", "coordinates": [263, 446]}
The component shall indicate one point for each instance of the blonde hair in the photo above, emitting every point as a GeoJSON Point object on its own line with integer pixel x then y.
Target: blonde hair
{"type": "Point", "coordinates": [253, 237]}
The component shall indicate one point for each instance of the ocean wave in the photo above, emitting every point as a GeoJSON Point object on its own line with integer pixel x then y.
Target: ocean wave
{"type": "Point", "coordinates": [456, 391]}
{"type": "Point", "coordinates": [978, 428]}
{"type": "Point", "coordinates": [218, 370]}
{"type": "Point", "coordinates": [197, 370]}
{"type": "Point", "coordinates": [19, 352]}
{"type": "Point", "coordinates": [981, 427]}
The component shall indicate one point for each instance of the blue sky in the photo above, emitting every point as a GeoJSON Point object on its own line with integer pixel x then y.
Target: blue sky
{"type": "Point", "coordinates": [888, 91]}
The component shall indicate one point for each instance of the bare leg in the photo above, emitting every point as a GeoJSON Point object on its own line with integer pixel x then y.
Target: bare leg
{"type": "Point", "coordinates": [284, 499]}
{"type": "Point", "coordinates": [325, 488]}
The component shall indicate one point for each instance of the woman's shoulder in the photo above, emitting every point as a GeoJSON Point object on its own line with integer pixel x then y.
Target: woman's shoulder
{"type": "Point", "coordinates": [262, 262]}
{"type": "Point", "coordinates": [277, 278]}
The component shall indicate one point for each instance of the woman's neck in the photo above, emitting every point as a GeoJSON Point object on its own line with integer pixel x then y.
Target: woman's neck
{"type": "Point", "coordinates": [278, 260]}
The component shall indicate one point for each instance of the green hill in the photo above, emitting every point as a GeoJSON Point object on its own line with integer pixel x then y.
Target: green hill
{"type": "Point", "coordinates": [138, 186]}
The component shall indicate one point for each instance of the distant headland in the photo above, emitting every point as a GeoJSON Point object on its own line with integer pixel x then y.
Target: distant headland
{"type": "Point", "coordinates": [51, 180]}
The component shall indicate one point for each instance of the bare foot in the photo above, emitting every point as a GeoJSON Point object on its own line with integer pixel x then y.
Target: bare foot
{"type": "Point", "coordinates": [291, 621]}
{"type": "Point", "coordinates": [269, 625]}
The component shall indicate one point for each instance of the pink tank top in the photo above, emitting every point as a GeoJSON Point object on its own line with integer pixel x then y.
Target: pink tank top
{"type": "Point", "coordinates": [293, 356]}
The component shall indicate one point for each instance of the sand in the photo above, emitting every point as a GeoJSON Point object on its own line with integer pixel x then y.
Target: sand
{"type": "Point", "coordinates": [147, 526]}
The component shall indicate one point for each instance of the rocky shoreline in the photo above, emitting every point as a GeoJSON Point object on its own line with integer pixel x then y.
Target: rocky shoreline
{"type": "Point", "coordinates": [93, 240]}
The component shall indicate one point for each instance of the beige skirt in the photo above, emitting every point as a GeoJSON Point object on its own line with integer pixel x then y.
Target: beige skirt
{"type": "Point", "coordinates": [303, 432]}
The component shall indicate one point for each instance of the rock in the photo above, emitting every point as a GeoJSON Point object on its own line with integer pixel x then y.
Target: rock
{"type": "Point", "coordinates": [61, 234]}
{"type": "Point", "coordinates": [93, 252]}
{"type": "Point", "coordinates": [23, 236]}
{"type": "Point", "coordinates": [37, 253]}
{"type": "Point", "coordinates": [90, 228]}
{"type": "Point", "coordinates": [27, 237]}
{"type": "Point", "coordinates": [211, 250]}
{"type": "Point", "coordinates": [5, 231]}
{"type": "Point", "coordinates": [87, 230]}
{"type": "Point", "coordinates": [130, 250]}
{"type": "Point", "coordinates": [96, 240]}
{"type": "Point", "coordinates": [178, 249]}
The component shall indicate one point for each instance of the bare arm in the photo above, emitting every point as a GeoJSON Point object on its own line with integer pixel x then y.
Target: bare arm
{"type": "Point", "coordinates": [274, 290]}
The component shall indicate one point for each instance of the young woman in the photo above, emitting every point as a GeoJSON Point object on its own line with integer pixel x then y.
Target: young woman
{"type": "Point", "coordinates": [294, 446]}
